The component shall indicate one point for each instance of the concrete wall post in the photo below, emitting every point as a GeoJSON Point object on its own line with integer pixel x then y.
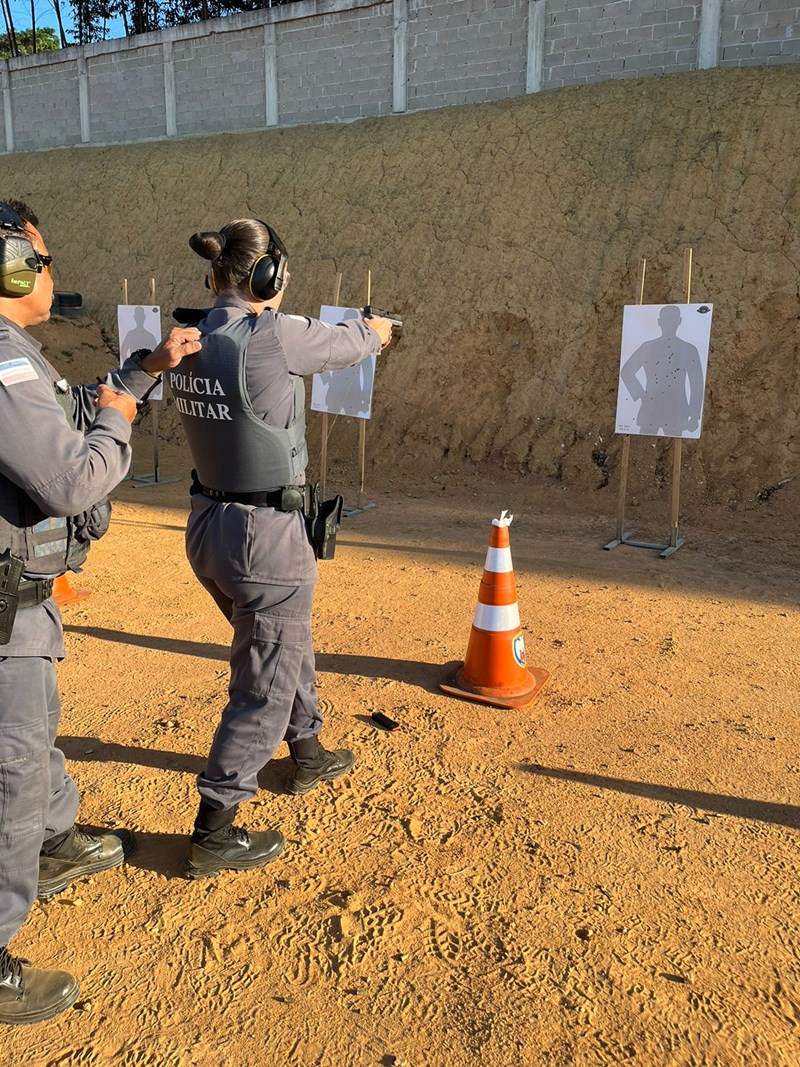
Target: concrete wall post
{"type": "Point", "coordinates": [8, 111]}
{"type": "Point", "coordinates": [170, 98]}
{"type": "Point", "coordinates": [271, 74]}
{"type": "Point", "coordinates": [536, 15]}
{"type": "Point", "coordinates": [708, 39]}
{"type": "Point", "coordinates": [400, 72]}
{"type": "Point", "coordinates": [83, 101]}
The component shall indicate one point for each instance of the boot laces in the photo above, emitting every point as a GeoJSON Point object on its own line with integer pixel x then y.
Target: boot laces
{"type": "Point", "coordinates": [10, 968]}
{"type": "Point", "coordinates": [238, 833]}
{"type": "Point", "coordinates": [83, 838]}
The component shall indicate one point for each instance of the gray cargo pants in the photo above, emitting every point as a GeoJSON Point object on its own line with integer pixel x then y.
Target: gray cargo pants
{"type": "Point", "coordinates": [260, 569]}
{"type": "Point", "coordinates": [272, 691]}
{"type": "Point", "coordinates": [38, 799]}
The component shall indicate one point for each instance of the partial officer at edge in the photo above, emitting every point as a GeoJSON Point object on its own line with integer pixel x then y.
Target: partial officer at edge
{"type": "Point", "coordinates": [61, 451]}
{"type": "Point", "coordinates": [242, 404]}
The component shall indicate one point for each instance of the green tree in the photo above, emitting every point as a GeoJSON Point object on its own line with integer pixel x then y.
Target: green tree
{"type": "Point", "coordinates": [46, 41]}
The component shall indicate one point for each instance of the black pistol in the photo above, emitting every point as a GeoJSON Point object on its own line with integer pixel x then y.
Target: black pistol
{"type": "Point", "coordinates": [371, 312]}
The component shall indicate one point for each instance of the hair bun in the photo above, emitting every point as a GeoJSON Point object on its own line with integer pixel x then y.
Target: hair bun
{"type": "Point", "coordinates": [208, 245]}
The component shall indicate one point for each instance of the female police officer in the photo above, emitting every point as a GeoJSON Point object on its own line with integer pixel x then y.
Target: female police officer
{"type": "Point", "coordinates": [242, 408]}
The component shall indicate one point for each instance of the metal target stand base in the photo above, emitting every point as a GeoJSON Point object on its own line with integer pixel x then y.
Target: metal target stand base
{"type": "Point", "coordinates": [664, 551]}
{"type": "Point", "coordinates": [154, 478]}
{"type": "Point", "coordinates": [349, 512]}
{"type": "Point", "coordinates": [140, 480]}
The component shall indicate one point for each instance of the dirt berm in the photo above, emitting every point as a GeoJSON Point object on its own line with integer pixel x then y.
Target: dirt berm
{"type": "Point", "coordinates": [508, 237]}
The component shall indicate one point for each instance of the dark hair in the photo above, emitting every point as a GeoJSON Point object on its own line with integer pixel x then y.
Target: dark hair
{"type": "Point", "coordinates": [23, 211]}
{"type": "Point", "coordinates": [232, 251]}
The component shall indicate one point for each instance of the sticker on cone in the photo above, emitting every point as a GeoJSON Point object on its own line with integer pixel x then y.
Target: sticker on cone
{"type": "Point", "coordinates": [494, 670]}
{"type": "Point", "coordinates": [519, 649]}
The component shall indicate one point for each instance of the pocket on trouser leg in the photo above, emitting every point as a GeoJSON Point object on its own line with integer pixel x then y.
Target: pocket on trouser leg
{"type": "Point", "coordinates": [266, 655]}
{"type": "Point", "coordinates": [24, 787]}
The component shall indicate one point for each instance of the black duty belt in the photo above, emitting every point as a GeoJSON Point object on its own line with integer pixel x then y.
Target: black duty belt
{"type": "Point", "coordinates": [33, 591]}
{"type": "Point", "coordinates": [282, 498]}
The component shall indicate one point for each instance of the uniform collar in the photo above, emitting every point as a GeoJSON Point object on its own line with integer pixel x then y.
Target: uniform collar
{"type": "Point", "coordinates": [23, 334]}
{"type": "Point", "coordinates": [231, 300]}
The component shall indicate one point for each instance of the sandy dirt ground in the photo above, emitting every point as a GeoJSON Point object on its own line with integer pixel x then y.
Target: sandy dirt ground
{"type": "Point", "coordinates": [605, 877]}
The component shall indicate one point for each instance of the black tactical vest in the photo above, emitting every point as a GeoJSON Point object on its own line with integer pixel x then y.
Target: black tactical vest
{"type": "Point", "coordinates": [233, 450]}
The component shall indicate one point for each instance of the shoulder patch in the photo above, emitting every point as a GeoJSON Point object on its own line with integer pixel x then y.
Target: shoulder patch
{"type": "Point", "coordinates": [14, 371]}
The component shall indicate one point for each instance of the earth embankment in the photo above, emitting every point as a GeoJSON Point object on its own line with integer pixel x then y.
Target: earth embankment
{"type": "Point", "coordinates": [508, 236]}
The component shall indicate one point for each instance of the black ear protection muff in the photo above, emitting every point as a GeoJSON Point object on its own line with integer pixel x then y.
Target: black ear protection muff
{"type": "Point", "coordinates": [19, 262]}
{"type": "Point", "coordinates": [268, 273]}
{"type": "Point", "coordinates": [267, 276]}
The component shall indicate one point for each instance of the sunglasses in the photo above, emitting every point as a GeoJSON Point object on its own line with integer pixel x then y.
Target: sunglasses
{"type": "Point", "coordinates": [43, 262]}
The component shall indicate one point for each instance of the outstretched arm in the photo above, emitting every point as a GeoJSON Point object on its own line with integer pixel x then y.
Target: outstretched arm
{"type": "Point", "coordinates": [312, 346]}
{"type": "Point", "coordinates": [134, 378]}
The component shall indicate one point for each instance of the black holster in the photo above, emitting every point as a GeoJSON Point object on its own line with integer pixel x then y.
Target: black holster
{"type": "Point", "coordinates": [323, 518]}
{"type": "Point", "coordinates": [11, 570]}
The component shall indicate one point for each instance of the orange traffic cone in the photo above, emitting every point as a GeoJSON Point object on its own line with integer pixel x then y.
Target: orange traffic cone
{"type": "Point", "coordinates": [63, 593]}
{"type": "Point", "coordinates": [494, 671]}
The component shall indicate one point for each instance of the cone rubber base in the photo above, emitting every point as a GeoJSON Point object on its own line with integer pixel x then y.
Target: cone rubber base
{"type": "Point", "coordinates": [64, 594]}
{"type": "Point", "coordinates": [456, 685]}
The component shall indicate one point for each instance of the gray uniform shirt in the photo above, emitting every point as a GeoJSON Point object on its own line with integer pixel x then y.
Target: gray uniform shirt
{"type": "Point", "coordinates": [63, 470]}
{"type": "Point", "coordinates": [309, 347]}
{"type": "Point", "coordinates": [238, 542]}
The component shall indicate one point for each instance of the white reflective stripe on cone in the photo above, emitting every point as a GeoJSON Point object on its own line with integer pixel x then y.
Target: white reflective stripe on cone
{"type": "Point", "coordinates": [496, 618]}
{"type": "Point", "coordinates": [498, 560]}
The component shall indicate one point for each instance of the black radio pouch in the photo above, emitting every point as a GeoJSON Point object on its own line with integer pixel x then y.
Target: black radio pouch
{"type": "Point", "coordinates": [11, 570]}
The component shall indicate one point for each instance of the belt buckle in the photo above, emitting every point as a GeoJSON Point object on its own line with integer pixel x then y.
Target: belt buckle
{"type": "Point", "coordinates": [291, 498]}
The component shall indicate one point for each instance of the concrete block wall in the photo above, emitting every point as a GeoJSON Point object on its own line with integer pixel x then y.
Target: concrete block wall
{"type": "Point", "coordinates": [466, 51]}
{"type": "Point", "coordinates": [587, 42]}
{"type": "Point", "coordinates": [338, 60]}
{"type": "Point", "coordinates": [126, 95]}
{"type": "Point", "coordinates": [338, 67]}
{"type": "Point", "coordinates": [754, 32]}
{"type": "Point", "coordinates": [210, 101]}
{"type": "Point", "coordinates": [48, 99]}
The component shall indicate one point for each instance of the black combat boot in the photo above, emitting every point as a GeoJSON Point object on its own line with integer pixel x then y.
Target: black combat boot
{"type": "Point", "coordinates": [30, 995]}
{"type": "Point", "coordinates": [315, 764]}
{"type": "Point", "coordinates": [216, 845]}
{"type": "Point", "coordinates": [76, 854]}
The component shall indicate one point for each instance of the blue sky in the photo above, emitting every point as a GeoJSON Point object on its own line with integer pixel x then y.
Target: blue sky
{"type": "Point", "coordinates": [46, 16]}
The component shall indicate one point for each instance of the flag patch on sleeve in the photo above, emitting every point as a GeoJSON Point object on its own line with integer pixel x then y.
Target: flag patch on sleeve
{"type": "Point", "coordinates": [13, 371]}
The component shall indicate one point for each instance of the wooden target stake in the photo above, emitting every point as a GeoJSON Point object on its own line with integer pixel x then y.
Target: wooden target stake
{"type": "Point", "coordinates": [154, 404]}
{"type": "Point", "coordinates": [323, 453]}
{"type": "Point", "coordinates": [362, 428]}
{"type": "Point", "coordinates": [626, 439]}
{"type": "Point", "coordinates": [327, 427]}
{"type": "Point", "coordinates": [131, 473]}
{"type": "Point", "coordinates": [675, 541]}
